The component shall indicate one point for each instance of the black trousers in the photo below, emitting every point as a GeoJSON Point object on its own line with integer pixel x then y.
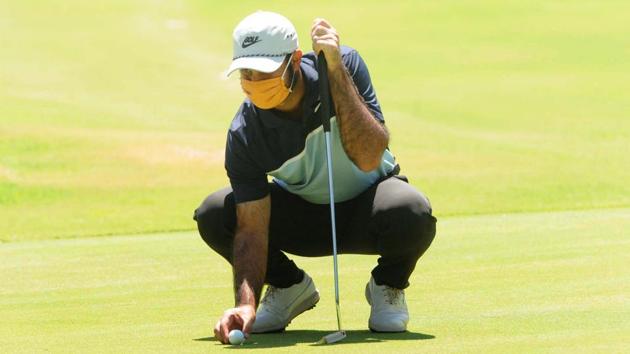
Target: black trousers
{"type": "Point", "coordinates": [391, 219]}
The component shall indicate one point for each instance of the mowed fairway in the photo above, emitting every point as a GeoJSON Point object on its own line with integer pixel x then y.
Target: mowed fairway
{"type": "Point", "coordinates": [113, 116]}
{"type": "Point", "coordinates": [501, 283]}
{"type": "Point", "coordinates": [513, 117]}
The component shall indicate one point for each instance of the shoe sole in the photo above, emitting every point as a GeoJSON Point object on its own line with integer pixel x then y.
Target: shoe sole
{"type": "Point", "coordinates": [308, 304]}
{"type": "Point", "coordinates": [375, 331]}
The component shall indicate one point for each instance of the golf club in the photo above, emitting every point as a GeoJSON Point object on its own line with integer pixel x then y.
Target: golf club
{"type": "Point", "coordinates": [324, 109]}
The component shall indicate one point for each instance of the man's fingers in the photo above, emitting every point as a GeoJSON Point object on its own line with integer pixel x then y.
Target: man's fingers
{"type": "Point", "coordinates": [225, 327]}
{"type": "Point", "coordinates": [321, 22]}
{"type": "Point", "coordinates": [318, 30]}
{"type": "Point", "coordinates": [326, 37]}
{"type": "Point", "coordinates": [236, 318]}
{"type": "Point", "coordinates": [321, 30]}
{"type": "Point", "coordinates": [217, 331]}
{"type": "Point", "coordinates": [247, 326]}
{"type": "Point", "coordinates": [320, 44]}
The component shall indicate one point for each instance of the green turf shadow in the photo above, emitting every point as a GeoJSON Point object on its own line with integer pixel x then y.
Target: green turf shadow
{"type": "Point", "coordinates": [291, 338]}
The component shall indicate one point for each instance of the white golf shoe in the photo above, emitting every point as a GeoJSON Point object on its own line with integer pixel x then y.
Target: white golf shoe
{"type": "Point", "coordinates": [281, 305]}
{"type": "Point", "coordinates": [389, 308]}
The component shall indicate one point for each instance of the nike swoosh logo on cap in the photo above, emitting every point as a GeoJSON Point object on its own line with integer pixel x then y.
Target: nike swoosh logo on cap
{"type": "Point", "coordinates": [250, 41]}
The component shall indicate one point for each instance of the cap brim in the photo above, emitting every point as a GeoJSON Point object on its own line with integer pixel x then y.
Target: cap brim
{"type": "Point", "coordinates": [262, 64]}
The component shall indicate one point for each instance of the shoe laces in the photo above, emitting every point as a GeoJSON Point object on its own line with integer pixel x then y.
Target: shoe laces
{"type": "Point", "coordinates": [270, 294]}
{"type": "Point", "coordinates": [394, 296]}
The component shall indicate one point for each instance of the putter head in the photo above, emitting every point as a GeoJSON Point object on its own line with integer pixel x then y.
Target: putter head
{"type": "Point", "coordinates": [333, 337]}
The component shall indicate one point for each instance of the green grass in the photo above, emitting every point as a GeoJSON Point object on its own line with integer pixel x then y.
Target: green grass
{"type": "Point", "coordinates": [541, 282]}
{"type": "Point", "coordinates": [113, 115]}
{"type": "Point", "coordinates": [512, 116]}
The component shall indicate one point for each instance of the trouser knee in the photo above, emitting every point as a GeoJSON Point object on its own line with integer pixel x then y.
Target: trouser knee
{"type": "Point", "coordinates": [421, 232]}
{"type": "Point", "coordinates": [216, 218]}
{"type": "Point", "coordinates": [412, 227]}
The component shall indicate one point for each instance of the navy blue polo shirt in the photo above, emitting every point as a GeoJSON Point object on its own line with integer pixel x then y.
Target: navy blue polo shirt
{"type": "Point", "coordinates": [263, 143]}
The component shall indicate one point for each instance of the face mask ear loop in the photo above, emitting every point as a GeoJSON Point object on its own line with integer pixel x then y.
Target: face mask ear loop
{"type": "Point", "coordinates": [292, 82]}
{"type": "Point", "coordinates": [293, 77]}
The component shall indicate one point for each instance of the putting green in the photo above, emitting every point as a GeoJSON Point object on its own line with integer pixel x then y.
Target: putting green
{"type": "Point", "coordinates": [552, 282]}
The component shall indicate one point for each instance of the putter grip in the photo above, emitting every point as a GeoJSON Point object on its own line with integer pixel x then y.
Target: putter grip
{"type": "Point", "coordinates": [324, 90]}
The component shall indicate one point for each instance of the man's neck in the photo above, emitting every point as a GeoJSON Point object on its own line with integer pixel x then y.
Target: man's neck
{"type": "Point", "coordinates": [293, 104]}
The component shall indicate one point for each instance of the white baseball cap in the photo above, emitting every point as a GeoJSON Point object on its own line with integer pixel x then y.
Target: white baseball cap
{"type": "Point", "coordinates": [261, 42]}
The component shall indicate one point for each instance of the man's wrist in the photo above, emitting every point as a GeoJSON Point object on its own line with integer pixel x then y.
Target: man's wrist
{"type": "Point", "coordinates": [247, 306]}
{"type": "Point", "coordinates": [336, 68]}
{"type": "Point", "coordinates": [245, 295]}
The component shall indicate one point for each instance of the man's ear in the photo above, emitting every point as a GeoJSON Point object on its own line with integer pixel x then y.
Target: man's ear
{"type": "Point", "coordinates": [297, 59]}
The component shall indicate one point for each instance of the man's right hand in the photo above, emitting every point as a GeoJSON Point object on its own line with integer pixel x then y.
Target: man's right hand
{"type": "Point", "coordinates": [241, 318]}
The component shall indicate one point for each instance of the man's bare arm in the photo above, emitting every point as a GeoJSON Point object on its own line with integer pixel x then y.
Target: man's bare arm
{"type": "Point", "coordinates": [250, 250]}
{"type": "Point", "coordinates": [364, 138]}
{"type": "Point", "coordinates": [249, 266]}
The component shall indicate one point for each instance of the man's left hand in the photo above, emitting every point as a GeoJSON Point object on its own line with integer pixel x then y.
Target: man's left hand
{"type": "Point", "coordinates": [325, 38]}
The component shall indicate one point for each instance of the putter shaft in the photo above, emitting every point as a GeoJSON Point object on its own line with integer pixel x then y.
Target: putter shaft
{"type": "Point", "coordinates": [331, 192]}
{"type": "Point", "coordinates": [324, 94]}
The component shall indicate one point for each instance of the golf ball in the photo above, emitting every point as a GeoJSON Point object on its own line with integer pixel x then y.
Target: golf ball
{"type": "Point", "coordinates": [236, 337]}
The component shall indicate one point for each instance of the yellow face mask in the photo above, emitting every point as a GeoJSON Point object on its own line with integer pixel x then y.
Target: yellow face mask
{"type": "Point", "coordinates": [270, 93]}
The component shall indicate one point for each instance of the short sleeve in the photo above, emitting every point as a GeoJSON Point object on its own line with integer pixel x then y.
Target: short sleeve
{"type": "Point", "coordinates": [247, 178]}
{"type": "Point", "coordinates": [361, 77]}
